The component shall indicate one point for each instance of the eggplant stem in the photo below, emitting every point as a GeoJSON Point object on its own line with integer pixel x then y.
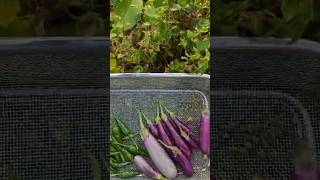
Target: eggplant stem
{"type": "Point", "coordinates": [146, 118]}
{"type": "Point", "coordinates": [143, 129]}
{"type": "Point", "coordinates": [158, 115]}
{"type": "Point", "coordinates": [174, 149]}
{"type": "Point", "coordinates": [162, 114]}
{"type": "Point", "coordinates": [182, 133]}
{"type": "Point", "coordinates": [166, 109]}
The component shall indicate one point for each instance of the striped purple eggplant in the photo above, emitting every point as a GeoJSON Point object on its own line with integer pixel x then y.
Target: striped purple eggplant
{"type": "Point", "coordinates": [204, 130]}
{"type": "Point", "coordinates": [175, 135]}
{"type": "Point", "coordinates": [152, 126]}
{"type": "Point", "coordinates": [163, 135]}
{"type": "Point", "coordinates": [184, 131]}
{"type": "Point", "coordinates": [157, 154]}
{"type": "Point", "coordinates": [182, 159]}
{"type": "Point", "coordinates": [146, 169]}
{"type": "Point", "coordinates": [176, 120]}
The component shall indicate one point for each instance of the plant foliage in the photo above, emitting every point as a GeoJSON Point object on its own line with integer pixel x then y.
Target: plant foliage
{"type": "Point", "coordinates": [160, 36]}
{"type": "Point", "coordinates": [278, 18]}
{"type": "Point", "coordinates": [52, 18]}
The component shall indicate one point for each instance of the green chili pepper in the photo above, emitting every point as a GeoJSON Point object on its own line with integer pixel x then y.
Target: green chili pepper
{"type": "Point", "coordinates": [122, 158]}
{"type": "Point", "coordinates": [112, 149]}
{"type": "Point", "coordinates": [125, 130]}
{"type": "Point", "coordinates": [133, 149]}
{"type": "Point", "coordinates": [127, 155]}
{"type": "Point", "coordinates": [118, 165]}
{"type": "Point", "coordinates": [114, 153]}
{"type": "Point", "coordinates": [130, 136]}
{"type": "Point", "coordinates": [127, 174]}
{"type": "Point", "coordinates": [118, 149]}
{"type": "Point", "coordinates": [116, 131]}
{"type": "Point", "coordinates": [118, 158]}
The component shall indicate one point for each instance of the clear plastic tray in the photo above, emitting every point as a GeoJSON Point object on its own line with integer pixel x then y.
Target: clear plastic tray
{"type": "Point", "coordinates": [132, 91]}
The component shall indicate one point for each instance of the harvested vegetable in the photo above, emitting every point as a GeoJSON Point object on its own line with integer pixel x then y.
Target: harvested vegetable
{"type": "Point", "coordinates": [183, 161]}
{"type": "Point", "coordinates": [204, 130]}
{"type": "Point", "coordinates": [189, 139]}
{"type": "Point", "coordinates": [152, 127]}
{"type": "Point", "coordinates": [184, 131]}
{"type": "Point", "coordinates": [162, 133]}
{"type": "Point", "coordinates": [176, 120]}
{"type": "Point", "coordinates": [127, 174]}
{"type": "Point", "coordinates": [133, 149]}
{"type": "Point", "coordinates": [158, 155]}
{"type": "Point", "coordinates": [175, 135]}
{"type": "Point", "coordinates": [117, 165]}
{"type": "Point", "coordinates": [142, 164]}
{"type": "Point", "coordinates": [115, 130]}
{"type": "Point", "coordinates": [125, 130]}
{"type": "Point", "coordinates": [127, 155]}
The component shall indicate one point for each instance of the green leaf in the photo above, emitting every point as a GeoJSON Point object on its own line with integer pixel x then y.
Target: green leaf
{"type": "Point", "coordinates": [8, 10]}
{"type": "Point", "coordinates": [298, 14]}
{"type": "Point", "coordinates": [183, 42]}
{"type": "Point", "coordinates": [191, 35]}
{"type": "Point", "coordinates": [128, 12]}
{"type": "Point", "coordinates": [164, 31]}
{"type": "Point", "coordinates": [152, 13]}
{"type": "Point", "coordinates": [316, 10]}
{"type": "Point", "coordinates": [90, 24]}
{"type": "Point", "coordinates": [158, 3]}
{"type": "Point", "coordinates": [203, 44]}
{"type": "Point", "coordinates": [203, 25]}
{"type": "Point", "coordinates": [203, 65]}
{"type": "Point", "coordinates": [183, 2]}
{"type": "Point", "coordinates": [297, 8]}
{"type": "Point", "coordinates": [113, 63]}
{"type": "Point", "coordinates": [20, 27]}
{"type": "Point", "coordinates": [176, 66]}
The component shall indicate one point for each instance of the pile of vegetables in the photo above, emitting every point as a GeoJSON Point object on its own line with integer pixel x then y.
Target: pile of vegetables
{"type": "Point", "coordinates": [168, 142]}
{"type": "Point", "coordinates": [122, 155]}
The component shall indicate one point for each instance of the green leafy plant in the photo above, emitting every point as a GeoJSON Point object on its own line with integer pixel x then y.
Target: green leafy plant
{"type": "Point", "coordinates": [52, 18]}
{"type": "Point", "coordinates": [160, 36]}
{"type": "Point", "coordinates": [277, 18]}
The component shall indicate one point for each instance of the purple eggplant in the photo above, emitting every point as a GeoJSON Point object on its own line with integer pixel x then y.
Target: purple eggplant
{"type": "Point", "coordinates": [176, 121]}
{"type": "Point", "coordinates": [204, 130]}
{"type": "Point", "coordinates": [184, 131]}
{"type": "Point", "coordinates": [143, 166]}
{"type": "Point", "coordinates": [189, 139]}
{"type": "Point", "coordinates": [157, 154]}
{"type": "Point", "coordinates": [175, 135]}
{"type": "Point", "coordinates": [163, 135]}
{"type": "Point", "coordinates": [181, 158]}
{"type": "Point", "coordinates": [152, 127]}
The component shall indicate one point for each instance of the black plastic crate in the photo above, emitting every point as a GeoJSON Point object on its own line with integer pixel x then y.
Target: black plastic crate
{"type": "Point", "coordinates": [265, 101]}
{"type": "Point", "coordinates": [54, 107]}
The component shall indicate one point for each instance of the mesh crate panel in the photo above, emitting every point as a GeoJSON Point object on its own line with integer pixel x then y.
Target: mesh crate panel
{"type": "Point", "coordinates": [243, 147]}
{"type": "Point", "coordinates": [46, 136]}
